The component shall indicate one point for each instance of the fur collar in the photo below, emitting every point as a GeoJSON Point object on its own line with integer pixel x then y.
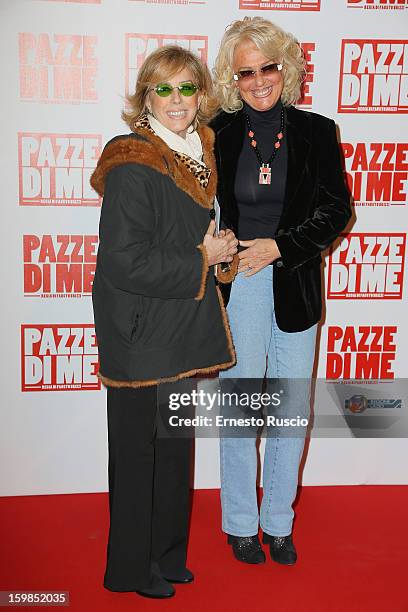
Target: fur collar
{"type": "Point", "coordinates": [147, 149]}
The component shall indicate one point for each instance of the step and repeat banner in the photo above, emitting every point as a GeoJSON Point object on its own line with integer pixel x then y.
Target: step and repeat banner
{"type": "Point", "coordinates": [66, 67]}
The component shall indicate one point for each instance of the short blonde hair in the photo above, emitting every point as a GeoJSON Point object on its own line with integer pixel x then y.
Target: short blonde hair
{"type": "Point", "coordinates": [159, 66]}
{"type": "Point", "coordinates": [274, 43]}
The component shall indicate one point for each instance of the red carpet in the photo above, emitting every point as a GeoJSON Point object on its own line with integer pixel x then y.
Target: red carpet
{"type": "Point", "coordinates": [352, 544]}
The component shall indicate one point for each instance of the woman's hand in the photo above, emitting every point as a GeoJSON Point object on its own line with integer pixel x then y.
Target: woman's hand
{"type": "Point", "coordinates": [219, 248]}
{"type": "Point", "coordinates": [260, 253]}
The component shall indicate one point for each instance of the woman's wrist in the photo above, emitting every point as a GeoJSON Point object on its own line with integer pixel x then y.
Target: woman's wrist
{"type": "Point", "coordinates": [275, 252]}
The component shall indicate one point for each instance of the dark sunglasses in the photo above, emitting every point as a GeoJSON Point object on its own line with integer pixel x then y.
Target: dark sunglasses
{"type": "Point", "coordinates": [267, 70]}
{"type": "Point", "coordinates": [165, 89]}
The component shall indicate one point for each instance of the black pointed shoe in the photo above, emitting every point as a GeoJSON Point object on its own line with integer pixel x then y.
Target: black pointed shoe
{"type": "Point", "coordinates": [282, 548]}
{"type": "Point", "coordinates": [184, 576]}
{"type": "Point", "coordinates": [159, 589]}
{"type": "Point", "coordinates": [247, 549]}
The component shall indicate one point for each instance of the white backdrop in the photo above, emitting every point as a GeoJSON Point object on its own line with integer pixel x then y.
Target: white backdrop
{"type": "Point", "coordinates": [66, 67]}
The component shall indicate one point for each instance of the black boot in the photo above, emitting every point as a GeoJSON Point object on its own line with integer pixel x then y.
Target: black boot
{"type": "Point", "coordinates": [247, 549]}
{"type": "Point", "coordinates": [282, 548]}
{"type": "Point", "coordinates": [159, 589]}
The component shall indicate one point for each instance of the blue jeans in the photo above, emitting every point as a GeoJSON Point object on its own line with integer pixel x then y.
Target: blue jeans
{"type": "Point", "coordinates": [263, 350]}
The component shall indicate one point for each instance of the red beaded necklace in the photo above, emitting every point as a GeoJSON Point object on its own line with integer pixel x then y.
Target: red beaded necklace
{"type": "Point", "coordinates": [265, 175]}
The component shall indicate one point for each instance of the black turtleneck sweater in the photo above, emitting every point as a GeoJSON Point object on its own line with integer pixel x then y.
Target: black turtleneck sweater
{"type": "Point", "coordinates": [260, 206]}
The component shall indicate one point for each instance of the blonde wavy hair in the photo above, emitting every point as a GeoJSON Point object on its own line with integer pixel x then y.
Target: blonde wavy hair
{"type": "Point", "coordinates": [274, 43]}
{"type": "Point", "coordinates": [162, 64]}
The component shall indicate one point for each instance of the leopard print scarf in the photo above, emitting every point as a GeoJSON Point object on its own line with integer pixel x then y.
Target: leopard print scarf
{"type": "Point", "coordinates": [198, 169]}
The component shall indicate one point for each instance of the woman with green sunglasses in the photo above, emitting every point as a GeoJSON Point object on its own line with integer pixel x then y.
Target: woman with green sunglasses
{"type": "Point", "coordinates": [158, 313]}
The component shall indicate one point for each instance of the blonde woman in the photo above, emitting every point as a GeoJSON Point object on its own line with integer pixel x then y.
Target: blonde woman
{"type": "Point", "coordinates": [158, 314]}
{"type": "Point", "coordinates": [281, 190]}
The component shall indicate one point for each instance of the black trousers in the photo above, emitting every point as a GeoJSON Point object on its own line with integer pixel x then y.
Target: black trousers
{"type": "Point", "coordinates": [148, 493]}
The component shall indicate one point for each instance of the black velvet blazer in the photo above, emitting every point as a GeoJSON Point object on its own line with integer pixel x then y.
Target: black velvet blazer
{"type": "Point", "coordinates": [316, 208]}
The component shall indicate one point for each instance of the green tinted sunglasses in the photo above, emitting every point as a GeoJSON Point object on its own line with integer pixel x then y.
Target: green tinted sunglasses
{"type": "Point", "coordinates": [165, 89]}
